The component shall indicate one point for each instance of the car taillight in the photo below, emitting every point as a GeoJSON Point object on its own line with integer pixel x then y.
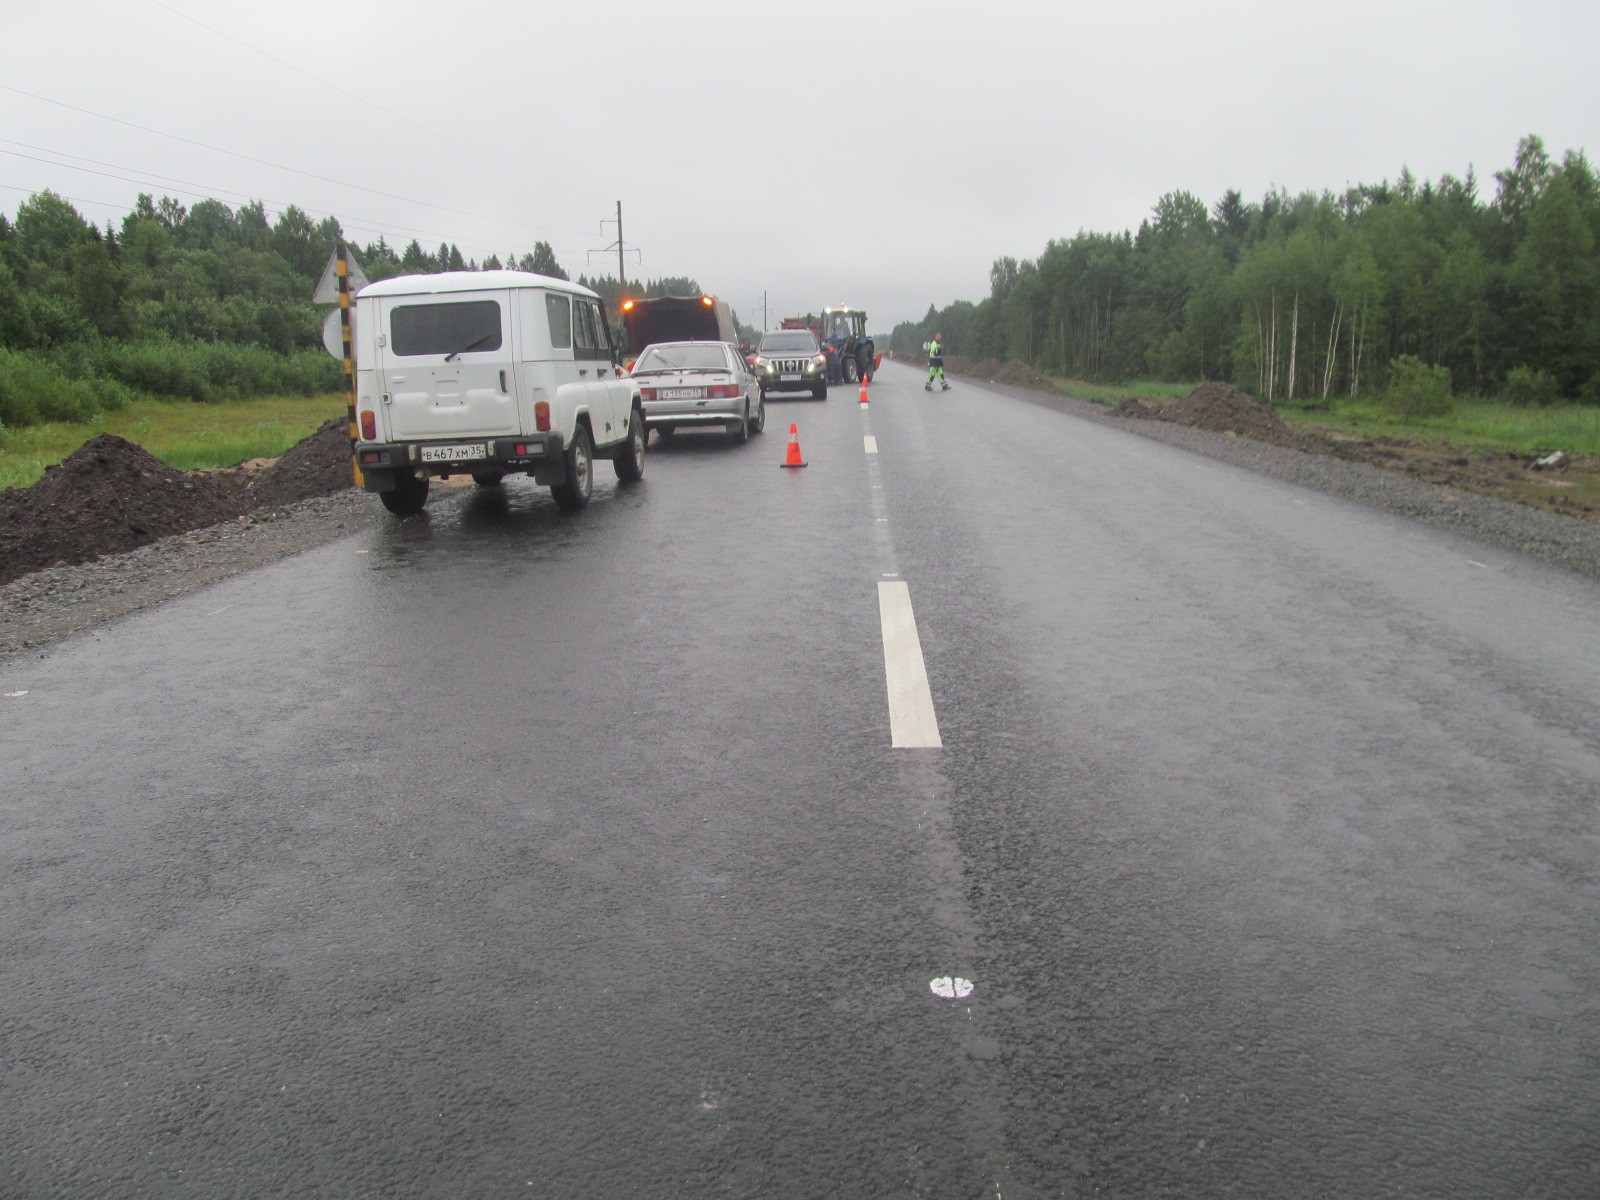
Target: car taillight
{"type": "Point", "coordinates": [722, 391]}
{"type": "Point", "coordinates": [541, 416]}
{"type": "Point", "coordinates": [369, 425]}
{"type": "Point", "coordinates": [647, 393]}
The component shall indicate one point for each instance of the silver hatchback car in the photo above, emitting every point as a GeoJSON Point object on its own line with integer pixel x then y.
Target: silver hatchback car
{"type": "Point", "coordinates": [687, 384]}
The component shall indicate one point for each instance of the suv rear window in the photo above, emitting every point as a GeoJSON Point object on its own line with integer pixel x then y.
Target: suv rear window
{"type": "Point", "coordinates": [800, 342]}
{"type": "Point", "coordinates": [445, 328]}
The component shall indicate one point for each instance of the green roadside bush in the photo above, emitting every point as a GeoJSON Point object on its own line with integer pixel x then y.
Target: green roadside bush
{"type": "Point", "coordinates": [214, 371]}
{"type": "Point", "coordinates": [76, 381]}
{"type": "Point", "coordinates": [1417, 389]}
{"type": "Point", "coordinates": [1528, 387]}
{"type": "Point", "coordinates": [33, 390]}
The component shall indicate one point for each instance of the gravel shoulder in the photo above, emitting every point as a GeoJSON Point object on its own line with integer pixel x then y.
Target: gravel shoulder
{"type": "Point", "coordinates": [57, 602]}
{"type": "Point", "coordinates": [47, 605]}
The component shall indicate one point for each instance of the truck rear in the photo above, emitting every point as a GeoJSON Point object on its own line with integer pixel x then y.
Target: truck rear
{"type": "Point", "coordinates": [650, 319]}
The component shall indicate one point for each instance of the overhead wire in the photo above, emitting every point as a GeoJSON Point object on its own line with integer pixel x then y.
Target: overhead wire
{"type": "Point", "coordinates": [206, 191]}
{"type": "Point", "coordinates": [294, 170]}
{"type": "Point", "coordinates": [388, 112]}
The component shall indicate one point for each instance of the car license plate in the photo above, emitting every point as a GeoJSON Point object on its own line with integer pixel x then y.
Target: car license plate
{"type": "Point", "coordinates": [682, 393]}
{"type": "Point", "coordinates": [454, 453]}
{"type": "Point", "coordinates": [789, 378]}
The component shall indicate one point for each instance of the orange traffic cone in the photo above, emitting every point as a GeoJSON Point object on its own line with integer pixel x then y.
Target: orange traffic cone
{"type": "Point", "coordinates": [794, 459]}
{"type": "Point", "coordinates": [863, 391]}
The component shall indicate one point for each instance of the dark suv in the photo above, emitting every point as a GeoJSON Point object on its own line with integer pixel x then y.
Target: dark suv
{"type": "Point", "coordinates": [790, 360]}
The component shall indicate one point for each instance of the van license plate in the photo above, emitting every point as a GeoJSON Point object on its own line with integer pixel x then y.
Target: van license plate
{"type": "Point", "coordinates": [454, 453]}
{"type": "Point", "coordinates": [682, 393]}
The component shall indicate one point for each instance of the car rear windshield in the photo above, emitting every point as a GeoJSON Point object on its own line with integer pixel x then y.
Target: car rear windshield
{"type": "Point", "coordinates": [709, 356]}
{"type": "Point", "coordinates": [471, 326]}
{"type": "Point", "coordinates": [795, 342]}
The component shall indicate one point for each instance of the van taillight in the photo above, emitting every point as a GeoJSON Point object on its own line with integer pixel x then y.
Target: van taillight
{"type": "Point", "coordinates": [541, 416]}
{"type": "Point", "coordinates": [369, 425]}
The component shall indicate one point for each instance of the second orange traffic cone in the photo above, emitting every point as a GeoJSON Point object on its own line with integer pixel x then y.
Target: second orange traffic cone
{"type": "Point", "coordinates": [794, 459]}
{"type": "Point", "coordinates": [863, 391]}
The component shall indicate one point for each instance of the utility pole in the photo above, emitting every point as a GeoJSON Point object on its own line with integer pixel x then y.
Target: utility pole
{"type": "Point", "coordinates": [621, 249]}
{"type": "Point", "coordinates": [622, 279]}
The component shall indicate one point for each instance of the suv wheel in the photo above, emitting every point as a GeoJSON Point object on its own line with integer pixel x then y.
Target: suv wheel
{"type": "Point", "coordinates": [629, 462]}
{"type": "Point", "coordinates": [488, 478]}
{"type": "Point", "coordinates": [407, 496]}
{"type": "Point", "coordinates": [820, 392]}
{"type": "Point", "coordinates": [574, 492]}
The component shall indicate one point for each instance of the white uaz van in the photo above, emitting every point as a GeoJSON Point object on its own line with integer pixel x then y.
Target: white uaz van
{"type": "Point", "coordinates": [489, 373]}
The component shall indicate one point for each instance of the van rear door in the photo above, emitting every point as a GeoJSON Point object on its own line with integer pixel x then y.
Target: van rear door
{"type": "Point", "coordinates": [445, 361]}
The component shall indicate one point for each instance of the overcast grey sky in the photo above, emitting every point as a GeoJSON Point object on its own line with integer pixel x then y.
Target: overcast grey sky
{"type": "Point", "coordinates": [880, 153]}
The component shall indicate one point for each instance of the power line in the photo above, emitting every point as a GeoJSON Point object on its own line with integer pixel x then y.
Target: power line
{"type": "Point", "coordinates": [350, 224]}
{"type": "Point", "coordinates": [294, 170]}
{"type": "Point", "coordinates": [317, 79]}
{"type": "Point", "coordinates": [209, 191]}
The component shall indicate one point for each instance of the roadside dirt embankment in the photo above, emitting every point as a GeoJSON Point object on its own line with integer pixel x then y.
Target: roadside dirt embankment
{"type": "Point", "coordinates": [110, 495]}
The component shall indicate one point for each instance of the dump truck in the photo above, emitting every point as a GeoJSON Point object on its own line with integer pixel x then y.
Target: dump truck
{"type": "Point", "coordinates": [648, 319]}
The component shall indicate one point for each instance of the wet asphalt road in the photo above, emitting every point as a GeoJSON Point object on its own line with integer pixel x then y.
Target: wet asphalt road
{"type": "Point", "coordinates": [501, 852]}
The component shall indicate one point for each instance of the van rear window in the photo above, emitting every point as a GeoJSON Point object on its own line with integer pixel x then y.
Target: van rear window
{"type": "Point", "coordinates": [445, 328]}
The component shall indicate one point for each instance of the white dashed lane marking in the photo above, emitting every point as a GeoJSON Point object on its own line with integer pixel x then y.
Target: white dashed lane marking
{"type": "Point", "coordinates": [871, 443]}
{"type": "Point", "coordinates": [912, 722]}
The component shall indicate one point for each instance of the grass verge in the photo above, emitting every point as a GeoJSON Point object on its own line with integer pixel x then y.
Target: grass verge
{"type": "Point", "coordinates": [1574, 428]}
{"type": "Point", "coordinates": [181, 433]}
{"type": "Point", "coordinates": [1115, 393]}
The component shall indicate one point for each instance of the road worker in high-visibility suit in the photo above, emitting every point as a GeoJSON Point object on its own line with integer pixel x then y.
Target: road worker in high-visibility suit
{"type": "Point", "coordinates": [936, 364]}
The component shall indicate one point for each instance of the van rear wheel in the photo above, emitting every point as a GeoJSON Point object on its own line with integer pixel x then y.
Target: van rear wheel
{"type": "Point", "coordinates": [407, 496]}
{"type": "Point", "coordinates": [574, 492]}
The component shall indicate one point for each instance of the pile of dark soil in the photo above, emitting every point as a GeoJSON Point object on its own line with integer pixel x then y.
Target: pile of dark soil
{"type": "Point", "coordinates": [110, 495]}
{"type": "Point", "coordinates": [1220, 408]}
{"type": "Point", "coordinates": [992, 370]}
{"type": "Point", "coordinates": [317, 466]}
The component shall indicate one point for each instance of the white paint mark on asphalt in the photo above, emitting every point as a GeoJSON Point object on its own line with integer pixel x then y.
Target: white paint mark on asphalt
{"type": "Point", "coordinates": [223, 609]}
{"type": "Point", "coordinates": [912, 723]}
{"type": "Point", "coordinates": [871, 443]}
{"type": "Point", "coordinates": [14, 695]}
{"type": "Point", "coordinates": [1474, 562]}
{"type": "Point", "coordinates": [951, 987]}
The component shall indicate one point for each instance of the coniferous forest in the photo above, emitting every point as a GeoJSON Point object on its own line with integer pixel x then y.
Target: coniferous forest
{"type": "Point", "coordinates": [1301, 297]}
{"type": "Point", "coordinates": [1293, 297]}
